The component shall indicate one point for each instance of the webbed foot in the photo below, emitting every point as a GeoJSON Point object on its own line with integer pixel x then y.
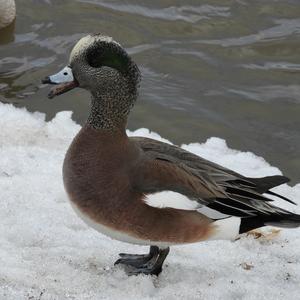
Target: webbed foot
{"type": "Point", "coordinates": [148, 264]}
{"type": "Point", "coordinates": [137, 260]}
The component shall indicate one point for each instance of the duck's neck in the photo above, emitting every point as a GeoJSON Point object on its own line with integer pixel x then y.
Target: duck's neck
{"type": "Point", "coordinates": [104, 116]}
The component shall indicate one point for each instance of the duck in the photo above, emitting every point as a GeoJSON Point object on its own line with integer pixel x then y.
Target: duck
{"type": "Point", "coordinates": [7, 12]}
{"type": "Point", "coordinates": [109, 176]}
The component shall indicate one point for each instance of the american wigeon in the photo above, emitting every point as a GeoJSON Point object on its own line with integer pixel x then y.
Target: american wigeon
{"type": "Point", "coordinates": [108, 176]}
{"type": "Point", "coordinates": [7, 12]}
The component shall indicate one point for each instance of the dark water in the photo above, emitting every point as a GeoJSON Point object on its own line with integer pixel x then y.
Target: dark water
{"type": "Point", "coordinates": [210, 68]}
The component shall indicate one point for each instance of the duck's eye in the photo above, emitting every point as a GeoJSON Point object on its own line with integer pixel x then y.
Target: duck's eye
{"type": "Point", "coordinates": [65, 73]}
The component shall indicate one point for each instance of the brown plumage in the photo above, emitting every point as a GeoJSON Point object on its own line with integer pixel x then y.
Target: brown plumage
{"type": "Point", "coordinates": [108, 175]}
{"type": "Point", "coordinates": [109, 193]}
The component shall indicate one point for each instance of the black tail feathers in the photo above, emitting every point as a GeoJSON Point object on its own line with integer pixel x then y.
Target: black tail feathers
{"type": "Point", "coordinates": [264, 184]}
{"type": "Point", "coordinates": [288, 220]}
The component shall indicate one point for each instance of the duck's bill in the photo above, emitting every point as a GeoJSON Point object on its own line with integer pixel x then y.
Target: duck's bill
{"type": "Point", "coordinates": [64, 81]}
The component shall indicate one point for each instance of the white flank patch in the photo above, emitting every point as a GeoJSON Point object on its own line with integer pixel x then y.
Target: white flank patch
{"type": "Point", "coordinates": [227, 229]}
{"type": "Point", "coordinates": [179, 201]}
{"type": "Point", "coordinates": [171, 199]}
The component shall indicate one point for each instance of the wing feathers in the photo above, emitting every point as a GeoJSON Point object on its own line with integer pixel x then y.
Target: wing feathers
{"type": "Point", "coordinates": [173, 168]}
{"type": "Point", "coordinates": [281, 197]}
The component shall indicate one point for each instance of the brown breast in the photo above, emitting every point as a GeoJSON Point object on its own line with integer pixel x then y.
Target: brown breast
{"type": "Point", "coordinates": [95, 171]}
{"type": "Point", "coordinates": [97, 177]}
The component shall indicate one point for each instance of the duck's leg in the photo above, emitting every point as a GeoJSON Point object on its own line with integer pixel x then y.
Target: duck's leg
{"type": "Point", "coordinates": [152, 267]}
{"type": "Point", "coordinates": [137, 260]}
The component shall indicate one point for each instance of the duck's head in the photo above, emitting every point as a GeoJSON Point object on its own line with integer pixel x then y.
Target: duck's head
{"type": "Point", "coordinates": [100, 65]}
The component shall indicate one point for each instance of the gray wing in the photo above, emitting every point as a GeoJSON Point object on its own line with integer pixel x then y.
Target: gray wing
{"type": "Point", "coordinates": [172, 168]}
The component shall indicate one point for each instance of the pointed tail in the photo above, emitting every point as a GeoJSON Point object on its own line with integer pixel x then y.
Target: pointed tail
{"type": "Point", "coordinates": [288, 220]}
{"type": "Point", "coordinates": [264, 184]}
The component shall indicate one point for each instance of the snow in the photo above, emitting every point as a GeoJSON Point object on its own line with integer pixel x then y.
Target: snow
{"type": "Point", "coordinates": [47, 252]}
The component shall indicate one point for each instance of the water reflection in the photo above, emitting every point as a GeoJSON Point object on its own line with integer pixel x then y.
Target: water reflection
{"type": "Point", "coordinates": [283, 28]}
{"type": "Point", "coordinates": [7, 34]}
{"type": "Point", "coordinates": [187, 13]}
{"type": "Point", "coordinates": [270, 93]}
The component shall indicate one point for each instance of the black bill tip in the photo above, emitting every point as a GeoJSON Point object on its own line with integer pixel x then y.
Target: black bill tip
{"type": "Point", "coordinates": [46, 80]}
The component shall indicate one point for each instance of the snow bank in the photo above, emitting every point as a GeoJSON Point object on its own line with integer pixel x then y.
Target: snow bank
{"type": "Point", "coordinates": [46, 252]}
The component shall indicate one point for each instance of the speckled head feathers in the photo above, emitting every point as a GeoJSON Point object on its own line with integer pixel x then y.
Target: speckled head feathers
{"type": "Point", "coordinates": [84, 43]}
{"type": "Point", "coordinates": [96, 51]}
{"type": "Point", "coordinates": [102, 66]}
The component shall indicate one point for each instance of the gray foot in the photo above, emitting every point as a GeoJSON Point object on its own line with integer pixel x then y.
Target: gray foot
{"type": "Point", "coordinates": [137, 260]}
{"type": "Point", "coordinates": [149, 264]}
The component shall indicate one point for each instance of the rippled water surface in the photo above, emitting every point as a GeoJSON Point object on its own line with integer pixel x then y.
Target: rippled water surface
{"type": "Point", "coordinates": [210, 68]}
